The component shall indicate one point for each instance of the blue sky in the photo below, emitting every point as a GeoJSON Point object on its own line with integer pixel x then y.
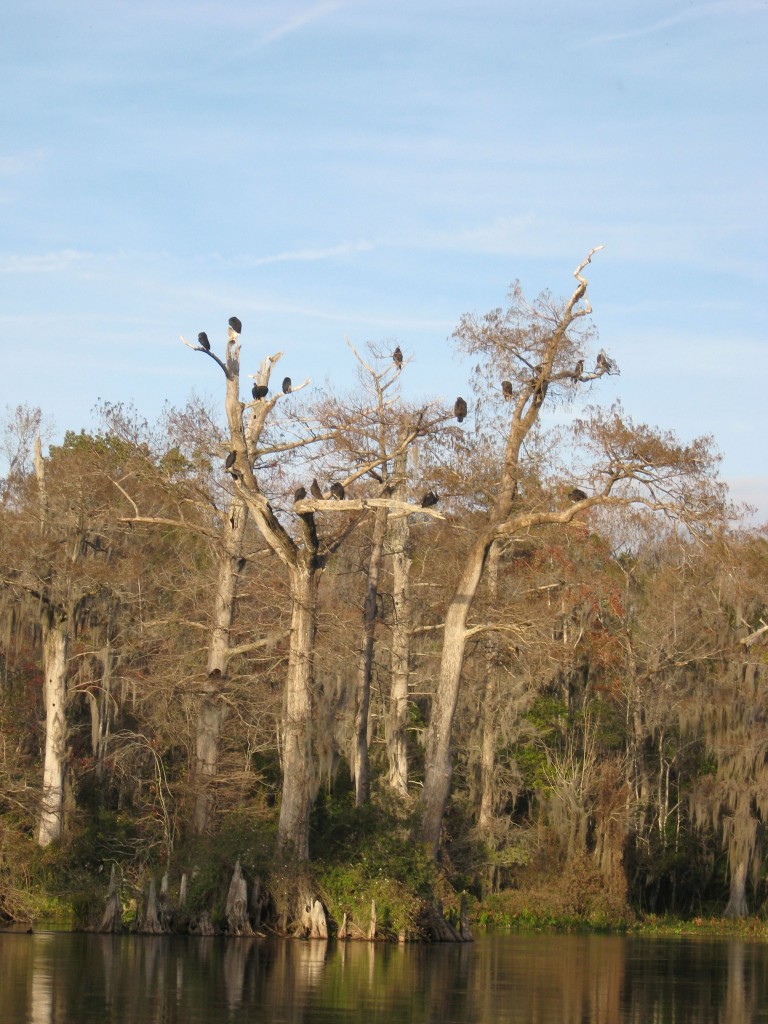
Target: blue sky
{"type": "Point", "coordinates": [374, 169]}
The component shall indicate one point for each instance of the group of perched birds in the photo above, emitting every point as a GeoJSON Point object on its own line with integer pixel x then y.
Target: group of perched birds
{"type": "Point", "coordinates": [338, 492]}
{"type": "Point", "coordinates": [260, 391]}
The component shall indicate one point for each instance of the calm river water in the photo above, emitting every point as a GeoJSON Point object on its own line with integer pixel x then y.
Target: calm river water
{"type": "Point", "coordinates": [53, 978]}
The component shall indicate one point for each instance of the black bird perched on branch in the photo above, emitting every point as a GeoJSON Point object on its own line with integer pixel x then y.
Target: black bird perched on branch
{"type": "Point", "coordinates": [576, 494]}
{"type": "Point", "coordinates": [315, 489]}
{"type": "Point", "coordinates": [300, 494]}
{"type": "Point", "coordinates": [235, 328]}
{"type": "Point", "coordinates": [506, 389]}
{"type": "Point", "coordinates": [241, 563]}
{"type": "Point", "coordinates": [259, 391]}
{"type": "Point", "coordinates": [286, 385]}
{"type": "Point", "coordinates": [337, 490]}
{"type": "Point", "coordinates": [397, 357]}
{"type": "Point", "coordinates": [202, 341]}
{"type": "Point", "coordinates": [460, 409]}
{"type": "Point", "coordinates": [429, 499]}
{"type": "Point", "coordinates": [229, 465]}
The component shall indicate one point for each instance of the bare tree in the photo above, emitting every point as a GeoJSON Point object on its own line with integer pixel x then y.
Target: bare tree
{"type": "Point", "coordinates": [304, 556]}
{"type": "Point", "coordinates": [538, 350]}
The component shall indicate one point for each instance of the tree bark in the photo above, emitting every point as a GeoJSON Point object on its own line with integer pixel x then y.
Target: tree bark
{"type": "Point", "coordinates": [236, 909]}
{"type": "Point", "coordinates": [365, 667]}
{"type": "Point", "coordinates": [488, 734]}
{"type": "Point", "coordinates": [293, 826]}
{"type": "Point", "coordinates": [213, 711]}
{"type": "Point", "coordinates": [112, 919]}
{"type": "Point", "coordinates": [101, 704]}
{"type": "Point", "coordinates": [402, 629]}
{"type": "Point", "coordinates": [488, 715]}
{"type": "Point", "coordinates": [152, 923]}
{"type": "Point", "coordinates": [55, 653]}
{"type": "Point", "coordinates": [737, 900]}
{"type": "Point", "coordinates": [438, 764]}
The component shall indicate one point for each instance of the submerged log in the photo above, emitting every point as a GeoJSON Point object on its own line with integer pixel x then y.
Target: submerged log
{"type": "Point", "coordinates": [237, 905]}
{"type": "Point", "coordinates": [112, 919]}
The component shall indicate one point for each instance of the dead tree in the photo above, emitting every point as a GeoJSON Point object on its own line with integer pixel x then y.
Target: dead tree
{"type": "Point", "coordinates": [304, 556]}
{"type": "Point", "coordinates": [536, 348]}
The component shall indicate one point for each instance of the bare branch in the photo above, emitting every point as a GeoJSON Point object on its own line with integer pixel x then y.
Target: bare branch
{"type": "Point", "coordinates": [199, 348]}
{"type": "Point", "coordinates": [754, 637]}
{"type": "Point", "coordinates": [400, 508]}
{"type": "Point", "coordinates": [167, 521]}
{"type": "Point", "coordinates": [255, 645]}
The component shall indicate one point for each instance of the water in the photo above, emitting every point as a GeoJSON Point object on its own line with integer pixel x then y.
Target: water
{"type": "Point", "coordinates": [54, 978]}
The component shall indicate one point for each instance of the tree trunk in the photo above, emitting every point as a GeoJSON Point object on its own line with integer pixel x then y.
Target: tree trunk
{"type": "Point", "coordinates": [488, 714]}
{"type": "Point", "coordinates": [438, 765]}
{"type": "Point", "coordinates": [236, 909]}
{"type": "Point", "coordinates": [402, 629]}
{"type": "Point", "coordinates": [101, 704]}
{"type": "Point", "coordinates": [365, 668]}
{"type": "Point", "coordinates": [152, 923]}
{"type": "Point", "coordinates": [298, 781]}
{"type": "Point", "coordinates": [55, 652]}
{"type": "Point", "coordinates": [112, 919]}
{"type": "Point", "coordinates": [488, 750]}
{"type": "Point", "coordinates": [737, 900]}
{"type": "Point", "coordinates": [213, 711]}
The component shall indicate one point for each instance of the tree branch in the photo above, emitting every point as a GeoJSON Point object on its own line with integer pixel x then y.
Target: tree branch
{"type": "Point", "coordinates": [207, 352]}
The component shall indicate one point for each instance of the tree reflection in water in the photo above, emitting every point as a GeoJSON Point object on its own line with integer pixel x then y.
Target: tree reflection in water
{"type": "Point", "coordinates": [541, 979]}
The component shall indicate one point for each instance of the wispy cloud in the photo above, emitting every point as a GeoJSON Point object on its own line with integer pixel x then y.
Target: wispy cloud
{"type": "Point", "coordinates": [693, 12]}
{"type": "Point", "coordinates": [311, 255]}
{"type": "Point", "coordinates": [296, 22]}
{"type": "Point", "coordinates": [43, 263]}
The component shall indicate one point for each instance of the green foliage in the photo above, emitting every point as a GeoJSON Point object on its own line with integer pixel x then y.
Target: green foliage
{"type": "Point", "coordinates": [364, 854]}
{"type": "Point", "coordinates": [209, 860]}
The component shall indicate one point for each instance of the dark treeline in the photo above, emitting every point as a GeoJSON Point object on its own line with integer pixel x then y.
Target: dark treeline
{"type": "Point", "coordinates": [422, 641]}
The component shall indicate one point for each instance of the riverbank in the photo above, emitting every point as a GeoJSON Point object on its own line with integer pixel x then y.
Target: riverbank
{"type": "Point", "coordinates": [365, 871]}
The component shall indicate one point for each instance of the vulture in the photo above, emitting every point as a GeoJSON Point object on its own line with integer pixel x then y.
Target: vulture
{"type": "Point", "coordinates": [578, 369]}
{"type": "Point", "coordinates": [259, 391]}
{"type": "Point", "coordinates": [506, 389]}
{"type": "Point", "coordinates": [576, 494]}
{"type": "Point", "coordinates": [397, 357]}
{"type": "Point", "coordinates": [315, 489]}
{"type": "Point", "coordinates": [235, 328]}
{"type": "Point", "coordinates": [603, 362]}
{"type": "Point", "coordinates": [286, 385]}
{"type": "Point", "coordinates": [202, 341]}
{"type": "Point", "coordinates": [300, 494]}
{"type": "Point", "coordinates": [229, 465]}
{"type": "Point", "coordinates": [429, 499]}
{"type": "Point", "coordinates": [460, 409]}
{"type": "Point", "coordinates": [337, 490]}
